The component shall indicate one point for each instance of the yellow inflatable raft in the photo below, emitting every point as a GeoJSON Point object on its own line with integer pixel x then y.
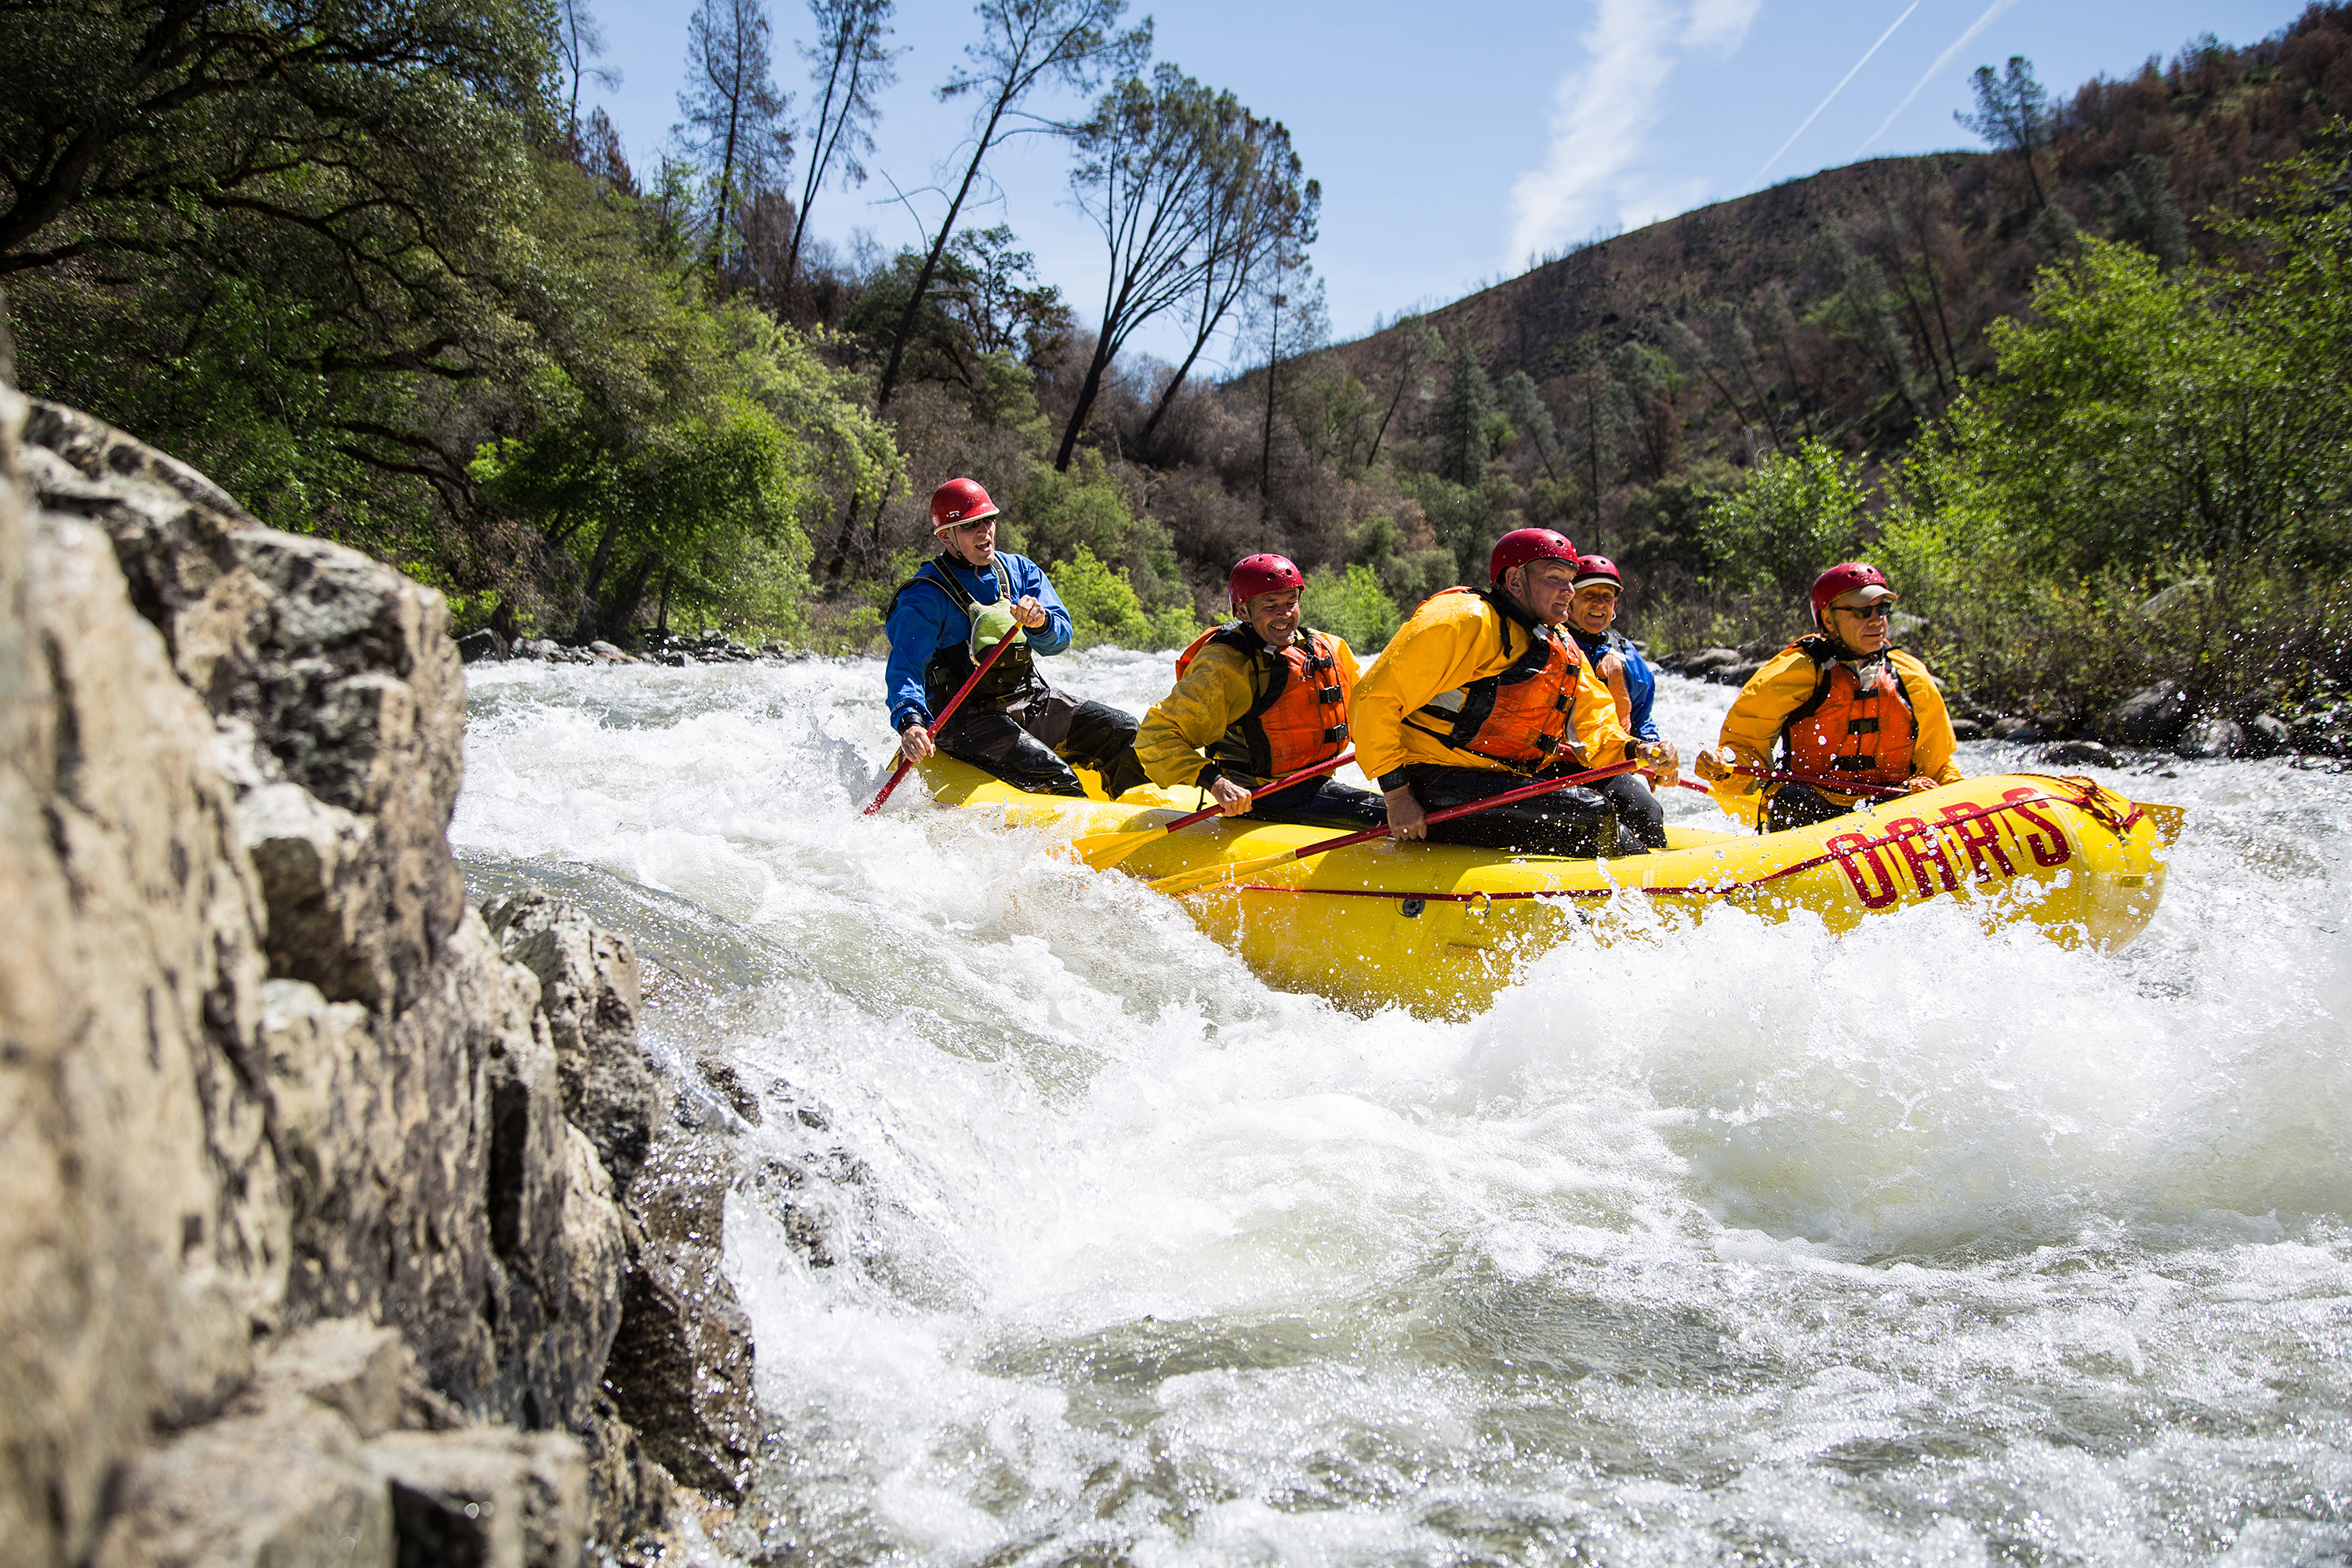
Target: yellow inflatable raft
{"type": "Point", "coordinates": [1440, 929]}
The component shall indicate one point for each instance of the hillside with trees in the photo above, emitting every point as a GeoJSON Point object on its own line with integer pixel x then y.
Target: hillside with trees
{"type": "Point", "coordinates": [375, 271]}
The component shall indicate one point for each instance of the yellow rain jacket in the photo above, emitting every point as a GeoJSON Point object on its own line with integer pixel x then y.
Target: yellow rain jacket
{"type": "Point", "coordinates": [1217, 692]}
{"type": "Point", "coordinates": [1751, 731]}
{"type": "Point", "coordinates": [1452, 640]}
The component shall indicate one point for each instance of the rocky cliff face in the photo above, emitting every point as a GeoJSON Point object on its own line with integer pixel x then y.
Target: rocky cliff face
{"type": "Point", "coordinates": [320, 1224]}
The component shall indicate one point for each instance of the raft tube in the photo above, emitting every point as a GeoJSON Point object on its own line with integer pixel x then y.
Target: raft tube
{"type": "Point", "coordinates": [1440, 929]}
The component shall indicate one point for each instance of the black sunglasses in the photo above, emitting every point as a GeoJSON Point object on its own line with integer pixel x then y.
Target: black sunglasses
{"type": "Point", "coordinates": [1881, 610]}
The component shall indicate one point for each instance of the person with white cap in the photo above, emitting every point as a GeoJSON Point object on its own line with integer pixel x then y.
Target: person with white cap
{"type": "Point", "coordinates": [1632, 686]}
{"type": "Point", "coordinates": [1843, 703]}
{"type": "Point", "coordinates": [943, 622]}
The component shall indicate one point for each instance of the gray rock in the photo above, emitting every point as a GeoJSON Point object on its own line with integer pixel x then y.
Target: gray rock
{"type": "Point", "coordinates": [289, 1486]}
{"type": "Point", "coordinates": [2268, 736]}
{"type": "Point", "coordinates": [2153, 716]}
{"type": "Point", "coordinates": [342, 668]}
{"type": "Point", "coordinates": [1739, 674]}
{"type": "Point", "coordinates": [485, 646]}
{"type": "Point", "coordinates": [2212, 737]}
{"type": "Point", "coordinates": [2076, 754]}
{"type": "Point", "coordinates": [1710, 659]}
{"type": "Point", "coordinates": [681, 1368]}
{"type": "Point", "coordinates": [589, 991]}
{"type": "Point", "coordinates": [143, 1234]}
{"type": "Point", "coordinates": [485, 1498]}
{"type": "Point", "coordinates": [2326, 734]}
{"type": "Point", "coordinates": [1967, 730]}
{"type": "Point", "coordinates": [2007, 727]}
{"type": "Point", "coordinates": [360, 1370]}
{"type": "Point", "coordinates": [345, 1142]}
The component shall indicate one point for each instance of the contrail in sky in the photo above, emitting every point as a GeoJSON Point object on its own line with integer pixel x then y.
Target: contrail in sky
{"type": "Point", "coordinates": [1840, 87]}
{"type": "Point", "coordinates": [1981, 23]}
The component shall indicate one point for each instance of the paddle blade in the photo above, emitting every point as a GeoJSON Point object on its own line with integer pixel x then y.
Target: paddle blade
{"type": "Point", "coordinates": [1201, 877]}
{"type": "Point", "coordinates": [1103, 850]}
{"type": "Point", "coordinates": [2168, 820]}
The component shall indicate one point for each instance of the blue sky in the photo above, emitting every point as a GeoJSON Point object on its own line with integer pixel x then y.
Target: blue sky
{"type": "Point", "coordinates": [1455, 143]}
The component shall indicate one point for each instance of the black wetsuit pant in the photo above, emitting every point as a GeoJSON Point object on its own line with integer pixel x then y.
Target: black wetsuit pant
{"type": "Point", "coordinates": [1031, 741]}
{"type": "Point", "coordinates": [1798, 806]}
{"type": "Point", "coordinates": [1640, 816]}
{"type": "Point", "coordinates": [1321, 803]}
{"type": "Point", "coordinates": [1576, 821]}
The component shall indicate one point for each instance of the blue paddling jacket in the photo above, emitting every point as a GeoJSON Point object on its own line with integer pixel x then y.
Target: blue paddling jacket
{"type": "Point", "coordinates": [1640, 685]}
{"type": "Point", "coordinates": [930, 631]}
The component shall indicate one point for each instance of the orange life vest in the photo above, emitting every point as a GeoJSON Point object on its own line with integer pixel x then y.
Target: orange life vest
{"type": "Point", "coordinates": [1517, 716]}
{"type": "Point", "coordinates": [1859, 724]}
{"type": "Point", "coordinates": [1300, 716]}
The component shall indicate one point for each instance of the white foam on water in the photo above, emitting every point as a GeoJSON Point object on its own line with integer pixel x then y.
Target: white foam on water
{"type": "Point", "coordinates": [1075, 1242]}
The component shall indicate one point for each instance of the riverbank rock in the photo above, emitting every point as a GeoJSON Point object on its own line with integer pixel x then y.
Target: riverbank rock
{"type": "Point", "coordinates": [309, 1168]}
{"type": "Point", "coordinates": [2212, 737]}
{"type": "Point", "coordinates": [2268, 735]}
{"type": "Point", "coordinates": [2075, 755]}
{"type": "Point", "coordinates": [2153, 716]}
{"type": "Point", "coordinates": [483, 645]}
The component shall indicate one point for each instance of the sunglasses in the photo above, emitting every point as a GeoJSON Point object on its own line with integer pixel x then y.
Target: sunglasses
{"type": "Point", "coordinates": [1883, 610]}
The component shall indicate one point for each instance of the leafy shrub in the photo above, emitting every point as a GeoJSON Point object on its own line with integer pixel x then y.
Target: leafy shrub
{"type": "Point", "coordinates": [1353, 605]}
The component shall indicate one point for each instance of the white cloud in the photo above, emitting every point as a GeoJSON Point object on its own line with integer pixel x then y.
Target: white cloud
{"type": "Point", "coordinates": [1719, 26]}
{"type": "Point", "coordinates": [1601, 115]}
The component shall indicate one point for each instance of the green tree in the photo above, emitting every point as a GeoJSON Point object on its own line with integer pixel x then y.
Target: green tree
{"type": "Point", "coordinates": [2014, 114]}
{"type": "Point", "coordinates": [1465, 422]}
{"type": "Point", "coordinates": [2166, 425]}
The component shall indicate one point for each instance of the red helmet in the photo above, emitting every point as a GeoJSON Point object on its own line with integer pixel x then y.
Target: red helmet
{"type": "Point", "coordinates": [1522, 545]}
{"type": "Point", "coordinates": [1598, 569]}
{"type": "Point", "coordinates": [1255, 574]}
{"type": "Point", "coordinates": [959, 501]}
{"type": "Point", "coordinates": [1844, 578]}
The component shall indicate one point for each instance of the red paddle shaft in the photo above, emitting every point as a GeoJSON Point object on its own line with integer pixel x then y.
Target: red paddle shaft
{"type": "Point", "coordinates": [906, 762]}
{"type": "Point", "coordinates": [1526, 792]}
{"type": "Point", "coordinates": [1301, 776]}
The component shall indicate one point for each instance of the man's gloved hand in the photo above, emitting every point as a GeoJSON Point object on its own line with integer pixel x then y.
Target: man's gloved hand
{"type": "Point", "coordinates": [1661, 758]}
{"type": "Point", "coordinates": [1713, 764]}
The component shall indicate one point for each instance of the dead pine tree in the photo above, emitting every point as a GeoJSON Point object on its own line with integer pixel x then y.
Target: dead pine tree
{"type": "Point", "coordinates": [734, 127]}
{"type": "Point", "coordinates": [849, 64]}
{"type": "Point", "coordinates": [1023, 45]}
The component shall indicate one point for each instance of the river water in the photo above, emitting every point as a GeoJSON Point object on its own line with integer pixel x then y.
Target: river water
{"type": "Point", "coordinates": [1075, 1244]}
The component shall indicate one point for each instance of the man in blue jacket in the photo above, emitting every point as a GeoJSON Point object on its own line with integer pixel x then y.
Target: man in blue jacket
{"type": "Point", "coordinates": [1620, 667]}
{"type": "Point", "coordinates": [943, 624]}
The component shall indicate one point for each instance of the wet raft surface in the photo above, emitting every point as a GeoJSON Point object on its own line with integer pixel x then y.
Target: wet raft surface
{"type": "Point", "coordinates": [1736, 1241]}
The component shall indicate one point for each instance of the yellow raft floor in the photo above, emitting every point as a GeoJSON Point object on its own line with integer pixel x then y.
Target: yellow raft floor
{"type": "Point", "coordinates": [1440, 929]}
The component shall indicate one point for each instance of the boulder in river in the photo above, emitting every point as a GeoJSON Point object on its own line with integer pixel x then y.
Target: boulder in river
{"type": "Point", "coordinates": [2152, 716]}
{"type": "Point", "coordinates": [2268, 735]}
{"type": "Point", "coordinates": [2214, 736]}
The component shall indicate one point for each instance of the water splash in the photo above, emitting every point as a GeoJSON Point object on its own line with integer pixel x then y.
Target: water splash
{"type": "Point", "coordinates": [1724, 1241]}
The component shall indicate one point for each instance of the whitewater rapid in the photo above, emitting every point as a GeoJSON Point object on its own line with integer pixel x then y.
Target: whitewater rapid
{"type": "Point", "coordinates": [1075, 1244]}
